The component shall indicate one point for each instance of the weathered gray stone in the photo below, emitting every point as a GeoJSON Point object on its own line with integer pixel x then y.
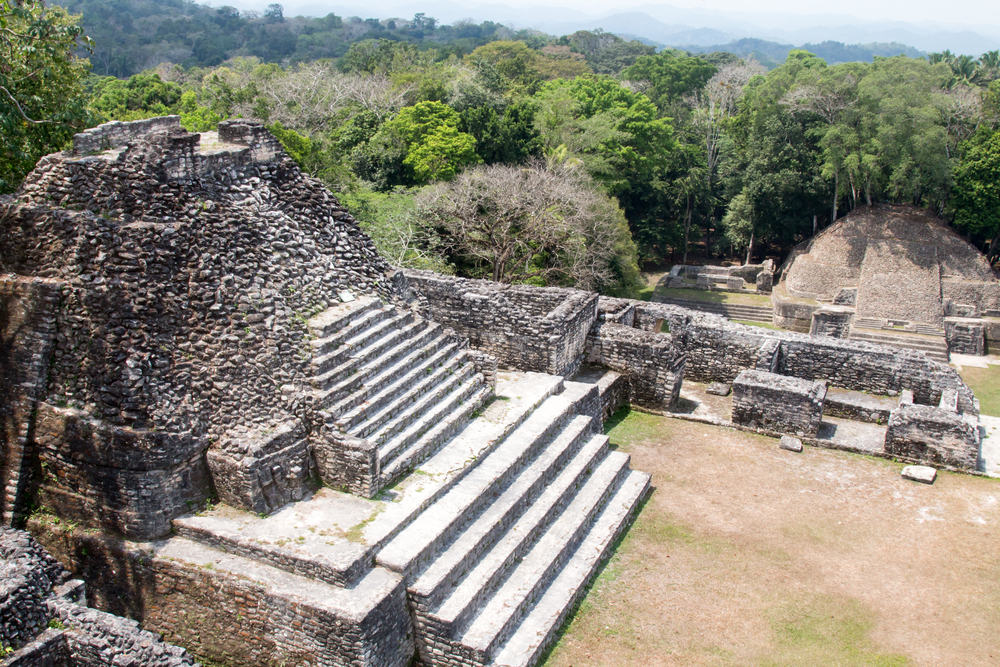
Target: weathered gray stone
{"type": "Point", "coordinates": [923, 474]}
{"type": "Point", "coordinates": [719, 388]}
{"type": "Point", "coordinates": [778, 403]}
{"type": "Point", "coordinates": [790, 443]}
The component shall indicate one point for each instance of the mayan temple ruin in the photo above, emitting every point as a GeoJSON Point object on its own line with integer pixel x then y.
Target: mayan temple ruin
{"type": "Point", "coordinates": [234, 426]}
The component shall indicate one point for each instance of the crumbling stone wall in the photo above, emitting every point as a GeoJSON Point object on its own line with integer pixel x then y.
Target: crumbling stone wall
{"type": "Point", "coordinates": [116, 133]}
{"type": "Point", "coordinates": [527, 328]}
{"type": "Point", "coordinates": [34, 591]}
{"type": "Point", "coordinates": [934, 435]}
{"type": "Point", "coordinates": [652, 364]}
{"type": "Point", "coordinates": [778, 403]}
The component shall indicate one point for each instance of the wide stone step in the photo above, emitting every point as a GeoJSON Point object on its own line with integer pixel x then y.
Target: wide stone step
{"type": "Point", "coordinates": [538, 629]}
{"type": "Point", "coordinates": [935, 348]}
{"type": "Point", "coordinates": [335, 319]}
{"type": "Point", "coordinates": [455, 368]}
{"type": "Point", "coordinates": [431, 440]}
{"type": "Point", "coordinates": [438, 524]}
{"type": "Point", "coordinates": [346, 379]}
{"type": "Point", "coordinates": [500, 536]}
{"type": "Point", "coordinates": [732, 311]}
{"type": "Point", "coordinates": [497, 618]}
{"type": "Point", "coordinates": [406, 428]}
{"type": "Point", "coordinates": [362, 348]}
{"type": "Point", "coordinates": [323, 345]}
{"type": "Point", "coordinates": [394, 381]}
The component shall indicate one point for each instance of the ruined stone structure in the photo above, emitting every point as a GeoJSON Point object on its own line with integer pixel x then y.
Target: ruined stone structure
{"type": "Point", "coordinates": [895, 275]}
{"type": "Point", "coordinates": [45, 622]}
{"type": "Point", "coordinates": [404, 463]}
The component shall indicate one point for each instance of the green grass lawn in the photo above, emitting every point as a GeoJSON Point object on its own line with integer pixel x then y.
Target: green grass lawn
{"type": "Point", "coordinates": [716, 297]}
{"type": "Point", "coordinates": [985, 382]}
{"type": "Point", "coordinates": [762, 325]}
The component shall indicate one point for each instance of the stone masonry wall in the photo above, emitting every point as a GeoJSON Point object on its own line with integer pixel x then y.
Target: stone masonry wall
{"type": "Point", "coordinates": [128, 481]}
{"type": "Point", "coordinates": [778, 403]}
{"type": "Point", "coordinates": [540, 329]}
{"type": "Point", "coordinates": [653, 365]}
{"type": "Point", "coordinates": [116, 134]}
{"type": "Point", "coordinates": [27, 332]}
{"type": "Point", "coordinates": [934, 435]}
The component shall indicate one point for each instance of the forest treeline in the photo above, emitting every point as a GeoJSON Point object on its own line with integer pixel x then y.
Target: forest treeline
{"type": "Point", "coordinates": [570, 160]}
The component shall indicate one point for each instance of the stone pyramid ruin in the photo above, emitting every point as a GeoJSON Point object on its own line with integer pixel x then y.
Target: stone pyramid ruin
{"type": "Point", "coordinates": [266, 444]}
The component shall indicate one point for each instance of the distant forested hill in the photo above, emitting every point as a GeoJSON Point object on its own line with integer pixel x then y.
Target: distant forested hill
{"type": "Point", "coordinates": [772, 54]}
{"type": "Point", "coordinates": [133, 35]}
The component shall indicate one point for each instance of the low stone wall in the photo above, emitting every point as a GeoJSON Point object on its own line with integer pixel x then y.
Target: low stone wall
{"type": "Point", "coordinates": [117, 133]}
{"type": "Point", "coordinates": [653, 365]}
{"type": "Point", "coordinates": [778, 403]}
{"type": "Point", "coordinates": [526, 328]}
{"type": "Point", "coordinates": [261, 470]}
{"type": "Point", "coordinates": [240, 619]}
{"type": "Point", "coordinates": [49, 649]}
{"type": "Point", "coordinates": [347, 462]}
{"type": "Point", "coordinates": [127, 481]}
{"type": "Point", "coordinates": [934, 435]}
{"type": "Point", "coordinates": [791, 314]}
{"type": "Point", "coordinates": [857, 407]}
{"type": "Point", "coordinates": [832, 321]}
{"type": "Point", "coordinates": [718, 350]}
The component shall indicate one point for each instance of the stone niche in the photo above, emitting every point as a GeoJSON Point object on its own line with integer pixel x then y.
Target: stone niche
{"type": "Point", "coordinates": [653, 365]}
{"type": "Point", "coordinates": [778, 403]}
{"type": "Point", "coordinates": [262, 469]}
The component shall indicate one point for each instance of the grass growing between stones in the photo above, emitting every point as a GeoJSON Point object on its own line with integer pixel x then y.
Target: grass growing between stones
{"type": "Point", "coordinates": [985, 383]}
{"type": "Point", "coordinates": [749, 555]}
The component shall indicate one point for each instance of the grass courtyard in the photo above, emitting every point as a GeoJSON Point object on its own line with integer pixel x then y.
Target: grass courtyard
{"type": "Point", "coordinates": [749, 555]}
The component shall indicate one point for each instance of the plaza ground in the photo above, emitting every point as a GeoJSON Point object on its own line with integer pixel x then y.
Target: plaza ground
{"type": "Point", "coordinates": [746, 554]}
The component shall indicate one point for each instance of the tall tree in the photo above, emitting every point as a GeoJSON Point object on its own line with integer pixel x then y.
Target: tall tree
{"type": "Point", "coordinates": [42, 103]}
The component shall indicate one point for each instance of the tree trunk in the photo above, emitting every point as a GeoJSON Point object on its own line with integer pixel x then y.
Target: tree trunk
{"type": "Point", "coordinates": [750, 248]}
{"type": "Point", "coordinates": [687, 229]}
{"type": "Point", "coordinates": [814, 224]}
{"type": "Point", "coordinates": [836, 189]}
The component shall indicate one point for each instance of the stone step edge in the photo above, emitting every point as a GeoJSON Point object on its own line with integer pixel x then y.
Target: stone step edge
{"type": "Point", "coordinates": [575, 578]}
{"type": "Point", "coordinates": [318, 323]}
{"type": "Point", "coordinates": [502, 434]}
{"type": "Point", "coordinates": [586, 456]}
{"type": "Point", "coordinates": [485, 629]}
{"type": "Point", "coordinates": [520, 455]}
{"type": "Point", "coordinates": [429, 443]}
{"type": "Point", "coordinates": [393, 382]}
{"type": "Point", "coordinates": [324, 345]}
{"type": "Point", "coordinates": [352, 359]}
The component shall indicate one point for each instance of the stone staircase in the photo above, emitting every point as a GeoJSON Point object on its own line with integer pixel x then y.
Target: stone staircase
{"type": "Point", "coordinates": [393, 378]}
{"type": "Point", "coordinates": [928, 340]}
{"type": "Point", "coordinates": [732, 311]}
{"type": "Point", "coordinates": [495, 536]}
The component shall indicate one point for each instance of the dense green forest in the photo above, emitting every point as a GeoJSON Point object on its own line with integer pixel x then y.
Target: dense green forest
{"type": "Point", "coordinates": [523, 157]}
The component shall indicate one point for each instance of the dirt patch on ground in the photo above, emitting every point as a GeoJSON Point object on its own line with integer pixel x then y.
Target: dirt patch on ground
{"type": "Point", "coordinates": [746, 554]}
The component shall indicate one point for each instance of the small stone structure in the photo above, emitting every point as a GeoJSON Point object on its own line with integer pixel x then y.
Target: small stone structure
{"type": "Point", "coordinates": [723, 278]}
{"type": "Point", "coordinates": [777, 403]}
{"type": "Point", "coordinates": [933, 434]}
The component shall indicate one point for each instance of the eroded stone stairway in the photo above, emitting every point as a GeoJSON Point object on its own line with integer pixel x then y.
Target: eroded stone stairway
{"type": "Point", "coordinates": [478, 555]}
{"type": "Point", "coordinates": [396, 379]}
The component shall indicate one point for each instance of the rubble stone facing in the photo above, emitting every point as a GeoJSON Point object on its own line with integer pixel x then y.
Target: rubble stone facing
{"type": "Point", "coordinates": [183, 293]}
{"type": "Point", "coordinates": [966, 335]}
{"type": "Point", "coordinates": [934, 435]}
{"type": "Point", "coordinates": [33, 592]}
{"type": "Point", "coordinates": [28, 332]}
{"type": "Point", "coordinates": [262, 469]}
{"type": "Point", "coordinates": [778, 403]}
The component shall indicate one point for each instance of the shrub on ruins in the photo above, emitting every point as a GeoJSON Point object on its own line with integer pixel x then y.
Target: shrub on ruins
{"type": "Point", "coordinates": [532, 224]}
{"type": "Point", "coordinates": [975, 201]}
{"type": "Point", "coordinates": [42, 102]}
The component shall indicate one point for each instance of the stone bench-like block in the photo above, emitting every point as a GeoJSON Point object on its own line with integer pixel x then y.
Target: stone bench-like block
{"type": "Point", "coordinates": [778, 403]}
{"type": "Point", "coordinates": [932, 435]}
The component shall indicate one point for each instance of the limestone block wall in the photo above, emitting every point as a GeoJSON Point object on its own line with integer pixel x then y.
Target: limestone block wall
{"type": "Point", "coordinates": [128, 481]}
{"type": "Point", "coordinates": [260, 470]}
{"type": "Point", "coordinates": [526, 328]}
{"type": "Point", "coordinates": [778, 403]}
{"type": "Point", "coordinates": [965, 335]}
{"type": "Point", "coordinates": [932, 434]}
{"type": "Point", "coordinates": [718, 350]}
{"type": "Point", "coordinates": [832, 321]}
{"type": "Point", "coordinates": [653, 365]}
